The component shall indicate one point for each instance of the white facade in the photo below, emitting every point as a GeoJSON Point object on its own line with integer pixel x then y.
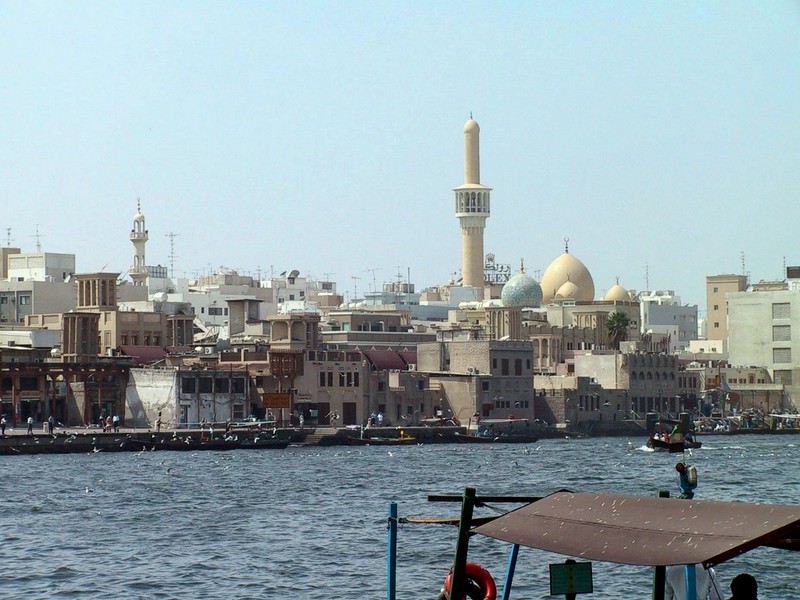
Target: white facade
{"type": "Point", "coordinates": [40, 266]}
{"type": "Point", "coordinates": [662, 312]}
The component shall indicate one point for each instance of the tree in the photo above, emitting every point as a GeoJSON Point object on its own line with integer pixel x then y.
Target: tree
{"type": "Point", "coordinates": [617, 328]}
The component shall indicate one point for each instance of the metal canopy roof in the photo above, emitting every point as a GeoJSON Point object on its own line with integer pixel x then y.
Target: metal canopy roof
{"type": "Point", "coordinates": [635, 530]}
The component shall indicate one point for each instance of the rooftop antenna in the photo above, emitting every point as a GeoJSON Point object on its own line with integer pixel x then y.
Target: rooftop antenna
{"type": "Point", "coordinates": [328, 276]}
{"type": "Point", "coordinates": [8, 237]}
{"type": "Point", "coordinates": [38, 239]}
{"type": "Point", "coordinates": [172, 256]}
{"type": "Point", "coordinates": [784, 266]}
{"type": "Point", "coordinates": [741, 258]}
{"type": "Point", "coordinates": [355, 286]}
{"type": "Point", "coordinates": [374, 284]}
{"type": "Point", "coordinates": [647, 277]}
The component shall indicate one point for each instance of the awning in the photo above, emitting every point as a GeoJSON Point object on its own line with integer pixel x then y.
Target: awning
{"type": "Point", "coordinates": [144, 355]}
{"type": "Point", "coordinates": [385, 360]}
{"type": "Point", "coordinates": [650, 531]}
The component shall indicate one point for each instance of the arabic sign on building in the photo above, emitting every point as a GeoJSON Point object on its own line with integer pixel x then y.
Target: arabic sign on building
{"type": "Point", "coordinates": [494, 272]}
{"type": "Point", "coordinates": [275, 400]}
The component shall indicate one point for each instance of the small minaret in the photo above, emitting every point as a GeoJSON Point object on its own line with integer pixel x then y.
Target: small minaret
{"type": "Point", "coordinates": [138, 270]}
{"type": "Point", "coordinates": [472, 208]}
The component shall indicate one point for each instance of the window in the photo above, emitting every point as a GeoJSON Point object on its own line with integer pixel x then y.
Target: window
{"type": "Point", "coordinates": [781, 333]}
{"type": "Point", "coordinates": [188, 385]}
{"type": "Point", "coordinates": [517, 367]}
{"type": "Point", "coordinates": [215, 311]}
{"type": "Point", "coordinates": [381, 386]}
{"type": "Point", "coordinates": [716, 325]}
{"type": "Point", "coordinates": [504, 370]}
{"type": "Point", "coordinates": [237, 385]}
{"type": "Point", "coordinates": [716, 307]}
{"type": "Point", "coordinates": [24, 300]}
{"type": "Point", "coordinates": [4, 300]}
{"type": "Point", "coordinates": [780, 310]}
{"type": "Point", "coordinates": [238, 412]}
{"type": "Point", "coordinates": [291, 296]}
{"type": "Point", "coordinates": [322, 379]}
{"type": "Point", "coordinates": [222, 385]}
{"type": "Point", "coordinates": [485, 386]}
{"type": "Point", "coordinates": [206, 385]}
{"type": "Point", "coordinates": [716, 289]}
{"type": "Point", "coordinates": [783, 377]}
{"type": "Point", "coordinates": [781, 355]}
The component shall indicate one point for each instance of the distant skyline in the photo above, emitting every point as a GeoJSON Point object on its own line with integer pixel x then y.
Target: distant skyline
{"type": "Point", "coordinates": [662, 139]}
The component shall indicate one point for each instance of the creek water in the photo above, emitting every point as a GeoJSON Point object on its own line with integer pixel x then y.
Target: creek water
{"type": "Point", "coordinates": [310, 523]}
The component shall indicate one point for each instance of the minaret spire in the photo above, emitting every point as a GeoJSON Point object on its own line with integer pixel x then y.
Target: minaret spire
{"type": "Point", "coordinates": [472, 209]}
{"type": "Point", "coordinates": [138, 236]}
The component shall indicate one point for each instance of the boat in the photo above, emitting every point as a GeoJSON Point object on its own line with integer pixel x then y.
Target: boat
{"type": "Point", "coordinates": [599, 527]}
{"type": "Point", "coordinates": [681, 446]}
{"type": "Point", "coordinates": [402, 440]}
{"type": "Point", "coordinates": [500, 431]}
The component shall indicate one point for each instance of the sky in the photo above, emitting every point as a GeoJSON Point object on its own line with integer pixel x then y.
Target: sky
{"type": "Point", "coordinates": [661, 138]}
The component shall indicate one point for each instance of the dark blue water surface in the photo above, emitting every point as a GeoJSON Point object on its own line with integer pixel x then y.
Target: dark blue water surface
{"type": "Point", "coordinates": [310, 523]}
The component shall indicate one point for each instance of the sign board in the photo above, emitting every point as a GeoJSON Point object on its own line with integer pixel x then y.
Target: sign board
{"type": "Point", "coordinates": [275, 400]}
{"type": "Point", "coordinates": [571, 578]}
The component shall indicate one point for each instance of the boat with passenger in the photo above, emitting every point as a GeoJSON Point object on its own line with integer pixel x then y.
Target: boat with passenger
{"type": "Point", "coordinates": [500, 431]}
{"type": "Point", "coordinates": [668, 435]}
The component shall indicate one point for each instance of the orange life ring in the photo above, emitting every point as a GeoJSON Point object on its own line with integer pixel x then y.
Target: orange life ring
{"type": "Point", "coordinates": [479, 581]}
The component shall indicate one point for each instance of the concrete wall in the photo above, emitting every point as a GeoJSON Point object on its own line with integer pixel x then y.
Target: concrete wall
{"type": "Point", "coordinates": [150, 391]}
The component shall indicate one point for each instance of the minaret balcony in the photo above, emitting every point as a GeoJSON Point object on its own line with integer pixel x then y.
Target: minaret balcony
{"type": "Point", "coordinates": [138, 235]}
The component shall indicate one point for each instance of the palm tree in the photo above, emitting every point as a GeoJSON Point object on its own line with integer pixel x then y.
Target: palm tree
{"type": "Point", "coordinates": [617, 328]}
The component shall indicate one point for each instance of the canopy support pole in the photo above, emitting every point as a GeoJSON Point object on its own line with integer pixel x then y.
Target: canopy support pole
{"type": "Point", "coordinates": [512, 565]}
{"type": "Point", "coordinates": [391, 566]}
{"type": "Point", "coordinates": [458, 589]}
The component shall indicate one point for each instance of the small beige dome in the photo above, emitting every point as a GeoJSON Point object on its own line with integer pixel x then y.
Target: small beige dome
{"type": "Point", "coordinates": [567, 268]}
{"type": "Point", "coordinates": [568, 291]}
{"type": "Point", "coordinates": [617, 293]}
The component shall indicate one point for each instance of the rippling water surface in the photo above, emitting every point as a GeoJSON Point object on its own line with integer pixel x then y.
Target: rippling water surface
{"type": "Point", "coordinates": [310, 523]}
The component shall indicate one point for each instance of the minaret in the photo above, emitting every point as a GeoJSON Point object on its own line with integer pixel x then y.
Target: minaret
{"type": "Point", "coordinates": [138, 270]}
{"type": "Point", "coordinates": [472, 208]}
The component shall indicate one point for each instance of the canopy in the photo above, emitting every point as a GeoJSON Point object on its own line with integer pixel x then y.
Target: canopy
{"type": "Point", "coordinates": [636, 530]}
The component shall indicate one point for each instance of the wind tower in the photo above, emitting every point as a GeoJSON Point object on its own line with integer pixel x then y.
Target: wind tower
{"type": "Point", "coordinates": [138, 270]}
{"type": "Point", "coordinates": [472, 208]}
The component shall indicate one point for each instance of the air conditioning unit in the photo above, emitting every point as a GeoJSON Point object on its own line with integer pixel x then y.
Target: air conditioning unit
{"type": "Point", "coordinates": [471, 370]}
{"type": "Point", "coordinates": [412, 367]}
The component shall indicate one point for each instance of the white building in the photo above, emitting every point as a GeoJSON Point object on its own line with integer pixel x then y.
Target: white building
{"type": "Point", "coordinates": [663, 313]}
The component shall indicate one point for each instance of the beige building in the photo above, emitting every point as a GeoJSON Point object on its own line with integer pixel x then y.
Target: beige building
{"type": "Point", "coordinates": [489, 378]}
{"type": "Point", "coordinates": [717, 289]}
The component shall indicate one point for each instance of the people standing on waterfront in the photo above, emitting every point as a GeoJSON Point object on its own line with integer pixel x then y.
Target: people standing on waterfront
{"type": "Point", "coordinates": [3, 424]}
{"type": "Point", "coordinates": [115, 423]}
{"type": "Point", "coordinates": [51, 422]}
{"type": "Point", "coordinates": [30, 425]}
{"type": "Point", "coordinates": [108, 424]}
{"type": "Point", "coordinates": [744, 587]}
{"type": "Point", "coordinates": [705, 583]}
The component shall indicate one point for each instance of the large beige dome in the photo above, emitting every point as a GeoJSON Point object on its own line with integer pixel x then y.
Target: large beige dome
{"type": "Point", "coordinates": [563, 269]}
{"type": "Point", "coordinates": [568, 291]}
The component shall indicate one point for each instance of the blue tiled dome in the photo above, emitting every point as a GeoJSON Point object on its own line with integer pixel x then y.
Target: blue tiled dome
{"type": "Point", "coordinates": [522, 290]}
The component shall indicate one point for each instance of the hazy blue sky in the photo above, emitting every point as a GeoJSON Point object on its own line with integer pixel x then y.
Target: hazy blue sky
{"type": "Point", "coordinates": [327, 136]}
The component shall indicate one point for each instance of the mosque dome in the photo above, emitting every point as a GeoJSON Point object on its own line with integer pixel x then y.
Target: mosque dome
{"type": "Point", "coordinates": [568, 291]}
{"type": "Point", "coordinates": [617, 293]}
{"type": "Point", "coordinates": [567, 268]}
{"type": "Point", "coordinates": [522, 290]}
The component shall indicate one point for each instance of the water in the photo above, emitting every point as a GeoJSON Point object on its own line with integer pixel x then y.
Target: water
{"type": "Point", "coordinates": [310, 523]}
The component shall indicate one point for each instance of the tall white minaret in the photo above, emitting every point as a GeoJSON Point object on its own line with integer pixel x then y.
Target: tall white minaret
{"type": "Point", "coordinates": [138, 270]}
{"type": "Point", "coordinates": [472, 208]}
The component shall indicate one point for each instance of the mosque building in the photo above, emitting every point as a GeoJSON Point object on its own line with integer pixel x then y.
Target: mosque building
{"type": "Point", "coordinates": [522, 307]}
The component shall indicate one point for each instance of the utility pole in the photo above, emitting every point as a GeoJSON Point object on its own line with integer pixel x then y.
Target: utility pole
{"type": "Point", "coordinates": [38, 239]}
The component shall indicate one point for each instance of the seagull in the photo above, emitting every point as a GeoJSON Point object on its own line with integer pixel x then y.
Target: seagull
{"type": "Point", "coordinates": [88, 491]}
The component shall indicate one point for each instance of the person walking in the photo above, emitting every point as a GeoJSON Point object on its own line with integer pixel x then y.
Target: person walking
{"type": "Point", "coordinates": [30, 425]}
{"type": "Point", "coordinates": [51, 422]}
